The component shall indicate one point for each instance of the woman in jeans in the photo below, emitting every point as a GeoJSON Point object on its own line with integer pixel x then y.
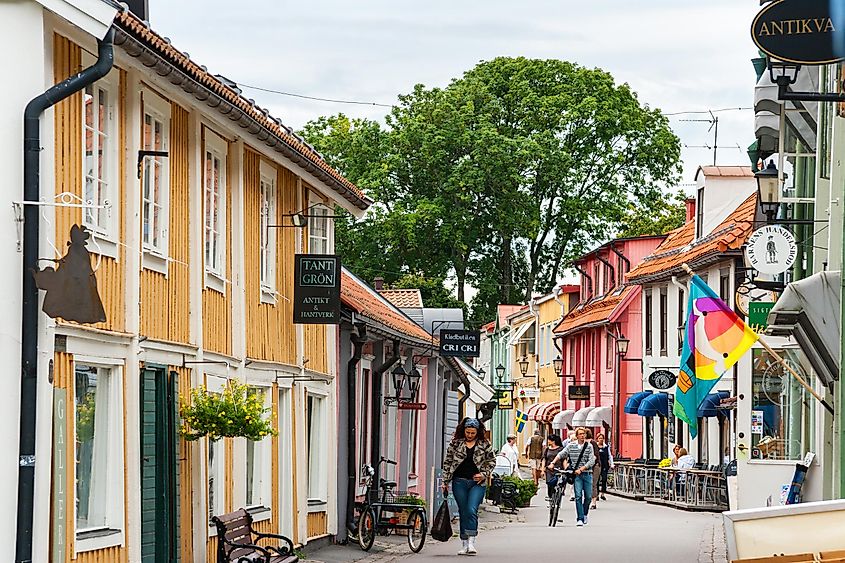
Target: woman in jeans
{"type": "Point", "coordinates": [579, 457]}
{"type": "Point", "coordinates": [468, 465]}
{"type": "Point", "coordinates": [553, 448]}
{"type": "Point", "coordinates": [605, 461]}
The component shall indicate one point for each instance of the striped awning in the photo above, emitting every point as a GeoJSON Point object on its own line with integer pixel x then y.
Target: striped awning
{"type": "Point", "coordinates": [544, 412]}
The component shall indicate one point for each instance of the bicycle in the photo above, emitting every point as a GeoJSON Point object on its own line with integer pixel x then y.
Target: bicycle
{"type": "Point", "coordinates": [557, 495]}
{"type": "Point", "coordinates": [383, 500]}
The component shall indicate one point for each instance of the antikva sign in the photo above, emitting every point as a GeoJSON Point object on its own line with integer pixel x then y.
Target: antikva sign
{"type": "Point", "coordinates": [316, 289]}
{"type": "Point", "coordinates": [460, 343]}
{"type": "Point", "coordinates": [801, 31]}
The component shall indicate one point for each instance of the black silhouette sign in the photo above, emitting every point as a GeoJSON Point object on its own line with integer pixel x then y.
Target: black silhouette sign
{"type": "Point", "coordinates": [72, 287]}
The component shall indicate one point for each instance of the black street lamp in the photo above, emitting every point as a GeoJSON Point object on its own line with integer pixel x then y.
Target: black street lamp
{"type": "Point", "coordinates": [414, 379]}
{"type": "Point", "coordinates": [558, 366]}
{"type": "Point", "coordinates": [768, 190]}
{"type": "Point", "coordinates": [481, 373]}
{"type": "Point", "coordinates": [523, 365]}
{"type": "Point", "coordinates": [622, 345]}
{"type": "Point", "coordinates": [399, 376]}
{"type": "Point", "coordinates": [500, 372]}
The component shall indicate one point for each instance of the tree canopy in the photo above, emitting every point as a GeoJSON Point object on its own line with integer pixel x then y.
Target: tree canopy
{"type": "Point", "coordinates": [500, 179]}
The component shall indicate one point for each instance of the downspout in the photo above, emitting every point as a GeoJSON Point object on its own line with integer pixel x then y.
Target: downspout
{"type": "Point", "coordinates": [375, 413]}
{"type": "Point", "coordinates": [358, 340]}
{"type": "Point", "coordinates": [30, 314]}
{"type": "Point", "coordinates": [586, 275]}
{"type": "Point", "coordinates": [612, 270]}
{"type": "Point", "coordinates": [623, 257]}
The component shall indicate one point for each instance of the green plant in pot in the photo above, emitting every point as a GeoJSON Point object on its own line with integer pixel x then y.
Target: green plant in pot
{"type": "Point", "coordinates": [237, 411]}
{"type": "Point", "coordinates": [525, 490]}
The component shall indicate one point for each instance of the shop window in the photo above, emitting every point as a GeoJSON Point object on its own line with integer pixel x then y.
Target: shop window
{"type": "Point", "coordinates": [782, 411]}
{"type": "Point", "coordinates": [703, 441]}
{"type": "Point", "coordinates": [725, 285]}
{"type": "Point", "coordinates": [664, 321]}
{"type": "Point", "coordinates": [413, 445]}
{"type": "Point", "coordinates": [100, 161]}
{"type": "Point", "coordinates": [216, 475]}
{"type": "Point", "coordinates": [316, 446]}
{"type": "Point", "coordinates": [98, 416]}
{"type": "Point", "coordinates": [364, 420]}
{"type": "Point", "coordinates": [681, 318]}
{"type": "Point", "coordinates": [156, 176]}
{"type": "Point", "coordinates": [609, 350]}
{"type": "Point", "coordinates": [267, 252]}
{"type": "Point", "coordinates": [649, 315]}
{"type": "Point", "coordinates": [258, 465]}
{"type": "Point", "coordinates": [214, 205]}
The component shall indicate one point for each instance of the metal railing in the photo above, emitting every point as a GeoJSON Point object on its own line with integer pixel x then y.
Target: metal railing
{"type": "Point", "coordinates": [697, 489]}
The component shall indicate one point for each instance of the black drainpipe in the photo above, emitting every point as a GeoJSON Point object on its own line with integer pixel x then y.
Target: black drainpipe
{"type": "Point", "coordinates": [586, 275]}
{"type": "Point", "coordinates": [29, 321]}
{"type": "Point", "coordinates": [358, 339]}
{"type": "Point", "coordinates": [612, 270]}
{"type": "Point", "coordinates": [624, 259]}
{"type": "Point", "coordinates": [375, 447]}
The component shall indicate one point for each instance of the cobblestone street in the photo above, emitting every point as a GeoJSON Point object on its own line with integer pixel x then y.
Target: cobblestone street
{"type": "Point", "coordinates": [619, 530]}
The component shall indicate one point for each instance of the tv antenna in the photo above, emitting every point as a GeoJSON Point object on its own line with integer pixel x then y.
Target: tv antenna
{"type": "Point", "coordinates": [714, 126]}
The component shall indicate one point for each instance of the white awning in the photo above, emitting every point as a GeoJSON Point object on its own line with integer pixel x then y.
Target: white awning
{"type": "Point", "coordinates": [599, 416]}
{"type": "Point", "coordinates": [479, 391]}
{"type": "Point", "coordinates": [580, 417]}
{"type": "Point", "coordinates": [520, 332]}
{"type": "Point", "coordinates": [562, 419]}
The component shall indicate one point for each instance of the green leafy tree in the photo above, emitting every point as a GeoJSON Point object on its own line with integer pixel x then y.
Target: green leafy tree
{"type": "Point", "coordinates": [656, 220]}
{"type": "Point", "coordinates": [433, 291]}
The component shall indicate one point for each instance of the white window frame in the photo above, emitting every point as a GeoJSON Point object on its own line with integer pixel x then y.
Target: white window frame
{"type": "Point", "coordinates": [319, 212]}
{"type": "Point", "coordinates": [268, 213]}
{"type": "Point", "coordinates": [219, 475]}
{"type": "Point", "coordinates": [216, 148]}
{"type": "Point", "coordinates": [113, 485]}
{"type": "Point", "coordinates": [106, 231]}
{"type": "Point", "coordinates": [155, 256]}
{"type": "Point", "coordinates": [317, 449]}
{"type": "Point", "coordinates": [262, 469]}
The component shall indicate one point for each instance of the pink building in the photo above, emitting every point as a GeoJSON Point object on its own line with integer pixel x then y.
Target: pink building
{"type": "Point", "coordinates": [609, 310]}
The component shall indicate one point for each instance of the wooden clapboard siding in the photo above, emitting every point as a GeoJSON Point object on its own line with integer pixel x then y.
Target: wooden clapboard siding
{"type": "Point", "coordinates": [270, 331]}
{"type": "Point", "coordinates": [186, 489]}
{"type": "Point", "coordinates": [64, 378]}
{"type": "Point", "coordinates": [165, 299]}
{"type": "Point", "coordinates": [318, 524]}
{"type": "Point", "coordinates": [216, 306]}
{"type": "Point", "coordinates": [316, 351]}
{"type": "Point", "coordinates": [69, 178]}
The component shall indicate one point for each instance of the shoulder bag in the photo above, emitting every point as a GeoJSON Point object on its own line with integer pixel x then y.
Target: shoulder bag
{"type": "Point", "coordinates": [569, 474]}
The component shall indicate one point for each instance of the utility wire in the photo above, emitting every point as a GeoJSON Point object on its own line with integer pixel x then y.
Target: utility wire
{"type": "Point", "coordinates": [706, 111]}
{"type": "Point", "coordinates": [315, 98]}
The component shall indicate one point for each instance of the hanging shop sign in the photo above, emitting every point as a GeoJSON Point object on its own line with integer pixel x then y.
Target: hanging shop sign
{"type": "Point", "coordinates": [800, 31]}
{"type": "Point", "coordinates": [771, 250]}
{"type": "Point", "coordinates": [529, 393]}
{"type": "Point", "coordinates": [578, 392]}
{"type": "Point", "coordinates": [662, 379]}
{"type": "Point", "coordinates": [505, 399]}
{"type": "Point", "coordinates": [758, 315]}
{"type": "Point", "coordinates": [412, 406]}
{"type": "Point", "coordinates": [460, 343]}
{"type": "Point", "coordinates": [316, 289]}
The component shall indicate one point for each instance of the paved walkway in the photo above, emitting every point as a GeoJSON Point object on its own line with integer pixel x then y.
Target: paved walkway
{"type": "Point", "coordinates": [619, 530]}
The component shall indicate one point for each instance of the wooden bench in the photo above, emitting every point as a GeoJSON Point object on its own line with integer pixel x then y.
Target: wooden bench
{"type": "Point", "coordinates": [237, 542]}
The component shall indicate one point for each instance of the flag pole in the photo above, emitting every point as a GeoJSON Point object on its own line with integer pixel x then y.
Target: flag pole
{"type": "Point", "coordinates": [780, 360]}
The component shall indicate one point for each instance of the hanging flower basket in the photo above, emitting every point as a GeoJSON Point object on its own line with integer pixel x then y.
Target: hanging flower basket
{"type": "Point", "coordinates": [236, 412]}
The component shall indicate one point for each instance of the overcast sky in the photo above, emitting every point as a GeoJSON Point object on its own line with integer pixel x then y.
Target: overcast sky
{"type": "Point", "coordinates": [679, 55]}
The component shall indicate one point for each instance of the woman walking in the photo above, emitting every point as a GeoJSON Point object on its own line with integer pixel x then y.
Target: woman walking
{"type": "Point", "coordinates": [553, 448]}
{"type": "Point", "coordinates": [605, 461]}
{"type": "Point", "coordinates": [596, 469]}
{"type": "Point", "coordinates": [468, 465]}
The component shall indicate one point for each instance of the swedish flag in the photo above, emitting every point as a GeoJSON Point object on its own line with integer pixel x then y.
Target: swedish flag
{"type": "Point", "coordinates": [521, 419]}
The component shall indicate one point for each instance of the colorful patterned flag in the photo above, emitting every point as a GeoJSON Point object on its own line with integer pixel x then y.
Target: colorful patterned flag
{"type": "Point", "coordinates": [521, 419]}
{"type": "Point", "coordinates": [715, 339]}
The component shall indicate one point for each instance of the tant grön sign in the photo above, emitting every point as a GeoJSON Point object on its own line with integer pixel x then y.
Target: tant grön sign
{"type": "Point", "coordinates": [800, 31]}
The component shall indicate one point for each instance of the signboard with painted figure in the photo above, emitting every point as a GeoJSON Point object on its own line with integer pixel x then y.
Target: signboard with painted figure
{"type": "Point", "coordinates": [805, 32]}
{"type": "Point", "coordinates": [505, 398]}
{"type": "Point", "coordinates": [316, 289]}
{"type": "Point", "coordinates": [662, 379]}
{"type": "Point", "coordinates": [460, 343]}
{"type": "Point", "coordinates": [771, 250]}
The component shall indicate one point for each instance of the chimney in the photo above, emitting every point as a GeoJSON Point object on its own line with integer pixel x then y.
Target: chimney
{"type": "Point", "coordinates": [378, 283]}
{"type": "Point", "coordinates": [140, 8]}
{"type": "Point", "coordinates": [690, 202]}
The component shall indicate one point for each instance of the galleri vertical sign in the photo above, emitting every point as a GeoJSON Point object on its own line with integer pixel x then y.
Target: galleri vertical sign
{"type": "Point", "coordinates": [316, 289]}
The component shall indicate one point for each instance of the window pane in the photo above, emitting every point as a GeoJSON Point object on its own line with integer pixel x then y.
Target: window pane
{"type": "Point", "coordinates": [91, 424]}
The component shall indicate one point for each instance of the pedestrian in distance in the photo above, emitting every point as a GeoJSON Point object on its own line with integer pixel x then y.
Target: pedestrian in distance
{"type": "Point", "coordinates": [553, 447]}
{"type": "Point", "coordinates": [509, 451]}
{"type": "Point", "coordinates": [468, 466]}
{"type": "Point", "coordinates": [676, 454]}
{"type": "Point", "coordinates": [534, 453]}
{"type": "Point", "coordinates": [605, 462]}
{"type": "Point", "coordinates": [596, 469]}
{"type": "Point", "coordinates": [580, 458]}
{"type": "Point", "coordinates": [685, 461]}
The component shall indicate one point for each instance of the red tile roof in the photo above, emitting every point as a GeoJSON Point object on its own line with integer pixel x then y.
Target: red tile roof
{"type": "Point", "coordinates": [725, 171]}
{"type": "Point", "coordinates": [366, 302]}
{"type": "Point", "coordinates": [679, 246]}
{"type": "Point", "coordinates": [130, 26]}
{"type": "Point", "coordinates": [597, 312]}
{"type": "Point", "coordinates": [403, 298]}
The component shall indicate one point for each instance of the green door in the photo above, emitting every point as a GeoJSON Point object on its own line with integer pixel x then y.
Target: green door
{"type": "Point", "coordinates": [159, 485]}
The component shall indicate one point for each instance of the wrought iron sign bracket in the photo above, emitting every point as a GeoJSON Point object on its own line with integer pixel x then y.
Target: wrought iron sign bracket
{"type": "Point", "coordinates": [64, 199]}
{"type": "Point", "coordinates": [784, 81]}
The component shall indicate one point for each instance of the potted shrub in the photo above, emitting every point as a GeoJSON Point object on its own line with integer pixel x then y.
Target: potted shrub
{"type": "Point", "coordinates": [525, 490]}
{"type": "Point", "coordinates": [402, 516]}
{"type": "Point", "coordinates": [236, 412]}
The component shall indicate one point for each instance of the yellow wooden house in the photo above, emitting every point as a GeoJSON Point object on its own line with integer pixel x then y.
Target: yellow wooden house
{"type": "Point", "coordinates": [193, 250]}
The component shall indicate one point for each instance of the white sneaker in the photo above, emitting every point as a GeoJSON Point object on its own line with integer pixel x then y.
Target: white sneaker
{"type": "Point", "coordinates": [586, 520]}
{"type": "Point", "coordinates": [464, 547]}
{"type": "Point", "coordinates": [471, 547]}
{"type": "Point", "coordinates": [579, 524]}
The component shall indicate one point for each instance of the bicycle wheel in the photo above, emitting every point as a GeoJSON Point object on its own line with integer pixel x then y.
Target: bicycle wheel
{"type": "Point", "coordinates": [418, 530]}
{"type": "Point", "coordinates": [555, 509]}
{"type": "Point", "coordinates": [367, 528]}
